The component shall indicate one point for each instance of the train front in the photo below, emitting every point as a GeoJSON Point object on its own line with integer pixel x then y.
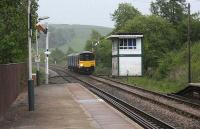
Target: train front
{"type": "Point", "coordinates": [86, 62]}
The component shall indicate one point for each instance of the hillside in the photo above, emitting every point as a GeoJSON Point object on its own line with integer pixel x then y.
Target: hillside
{"type": "Point", "coordinates": [63, 35]}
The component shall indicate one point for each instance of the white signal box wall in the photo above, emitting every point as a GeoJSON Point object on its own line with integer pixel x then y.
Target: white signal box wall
{"type": "Point", "coordinates": [127, 54]}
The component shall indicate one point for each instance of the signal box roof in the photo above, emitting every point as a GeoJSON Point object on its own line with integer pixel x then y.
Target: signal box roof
{"type": "Point", "coordinates": [125, 35]}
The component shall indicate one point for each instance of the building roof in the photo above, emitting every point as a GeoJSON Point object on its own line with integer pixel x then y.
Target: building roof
{"type": "Point", "coordinates": [126, 35]}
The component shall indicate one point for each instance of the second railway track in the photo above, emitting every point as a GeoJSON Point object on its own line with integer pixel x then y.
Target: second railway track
{"type": "Point", "coordinates": [180, 106]}
{"type": "Point", "coordinates": [102, 86]}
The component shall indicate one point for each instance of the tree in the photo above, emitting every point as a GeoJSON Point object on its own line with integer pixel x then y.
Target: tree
{"type": "Point", "coordinates": [102, 49]}
{"type": "Point", "coordinates": [182, 28]}
{"type": "Point", "coordinates": [94, 38]}
{"type": "Point", "coordinates": [160, 37]}
{"type": "Point", "coordinates": [124, 12]}
{"type": "Point", "coordinates": [172, 10]}
{"type": "Point", "coordinates": [176, 12]}
{"type": "Point", "coordinates": [57, 56]}
{"type": "Point", "coordinates": [104, 53]}
{"type": "Point", "coordinates": [13, 30]}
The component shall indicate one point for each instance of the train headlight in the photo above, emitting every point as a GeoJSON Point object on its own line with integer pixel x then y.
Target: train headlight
{"type": "Point", "coordinates": [81, 65]}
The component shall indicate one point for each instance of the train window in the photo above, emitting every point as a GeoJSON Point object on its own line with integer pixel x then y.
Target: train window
{"type": "Point", "coordinates": [86, 57]}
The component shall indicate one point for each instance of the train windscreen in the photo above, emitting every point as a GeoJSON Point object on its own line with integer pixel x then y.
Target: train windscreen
{"type": "Point", "coordinates": [86, 56]}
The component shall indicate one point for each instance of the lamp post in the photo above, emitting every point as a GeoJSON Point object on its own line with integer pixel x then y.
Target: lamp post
{"type": "Point", "coordinates": [37, 59]}
{"type": "Point", "coordinates": [30, 80]}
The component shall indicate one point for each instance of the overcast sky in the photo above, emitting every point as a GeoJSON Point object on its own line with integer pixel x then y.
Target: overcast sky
{"type": "Point", "coordinates": [91, 12]}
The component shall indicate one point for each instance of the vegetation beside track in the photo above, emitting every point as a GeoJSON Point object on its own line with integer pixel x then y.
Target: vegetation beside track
{"type": "Point", "coordinates": [161, 86]}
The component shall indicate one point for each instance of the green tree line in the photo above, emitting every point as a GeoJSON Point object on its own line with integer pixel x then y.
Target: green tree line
{"type": "Point", "coordinates": [14, 29]}
{"type": "Point", "coordinates": [164, 30]}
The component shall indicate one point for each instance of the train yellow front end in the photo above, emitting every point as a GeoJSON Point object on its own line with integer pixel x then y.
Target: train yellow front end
{"type": "Point", "coordinates": [83, 62]}
{"type": "Point", "coordinates": [87, 66]}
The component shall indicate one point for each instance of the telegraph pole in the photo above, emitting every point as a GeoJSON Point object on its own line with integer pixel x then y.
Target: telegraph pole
{"type": "Point", "coordinates": [189, 45]}
{"type": "Point", "coordinates": [30, 80]}
{"type": "Point", "coordinates": [37, 58]}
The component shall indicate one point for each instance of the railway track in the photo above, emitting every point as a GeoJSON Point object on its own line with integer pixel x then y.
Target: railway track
{"type": "Point", "coordinates": [172, 103]}
{"type": "Point", "coordinates": [95, 85]}
{"type": "Point", "coordinates": [172, 97]}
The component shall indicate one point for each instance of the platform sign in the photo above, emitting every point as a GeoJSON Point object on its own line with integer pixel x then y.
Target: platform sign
{"type": "Point", "coordinates": [47, 52]}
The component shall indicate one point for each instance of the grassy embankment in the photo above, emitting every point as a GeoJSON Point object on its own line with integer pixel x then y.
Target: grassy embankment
{"type": "Point", "coordinates": [172, 73]}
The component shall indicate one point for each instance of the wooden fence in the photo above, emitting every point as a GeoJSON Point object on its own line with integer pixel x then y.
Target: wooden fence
{"type": "Point", "coordinates": [13, 79]}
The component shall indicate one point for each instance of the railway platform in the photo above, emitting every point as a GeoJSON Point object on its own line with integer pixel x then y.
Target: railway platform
{"type": "Point", "coordinates": [192, 91]}
{"type": "Point", "coordinates": [64, 106]}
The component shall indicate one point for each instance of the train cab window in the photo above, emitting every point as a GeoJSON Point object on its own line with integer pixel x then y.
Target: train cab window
{"type": "Point", "coordinates": [86, 56]}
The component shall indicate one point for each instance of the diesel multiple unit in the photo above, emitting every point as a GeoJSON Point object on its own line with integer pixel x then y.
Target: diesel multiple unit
{"type": "Point", "coordinates": [82, 62]}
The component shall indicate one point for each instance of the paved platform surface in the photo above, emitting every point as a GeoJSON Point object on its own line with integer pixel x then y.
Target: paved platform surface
{"type": "Point", "coordinates": [64, 106]}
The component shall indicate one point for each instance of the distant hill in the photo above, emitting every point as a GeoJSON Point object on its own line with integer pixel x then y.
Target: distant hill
{"type": "Point", "coordinates": [63, 35]}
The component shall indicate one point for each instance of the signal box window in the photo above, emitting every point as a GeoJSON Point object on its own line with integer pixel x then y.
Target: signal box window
{"type": "Point", "coordinates": [127, 44]}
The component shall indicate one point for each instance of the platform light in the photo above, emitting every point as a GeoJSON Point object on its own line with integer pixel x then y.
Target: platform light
{"type": "Point", "coordinates": [41, 27]}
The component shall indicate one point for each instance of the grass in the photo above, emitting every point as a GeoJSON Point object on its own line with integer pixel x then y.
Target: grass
{"type": "Point", "coordinates": [175, 66]}
{"type": "Point", "coordinates": [100, 70]}
{"type": "Point", "coordinates": [154, 85]}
